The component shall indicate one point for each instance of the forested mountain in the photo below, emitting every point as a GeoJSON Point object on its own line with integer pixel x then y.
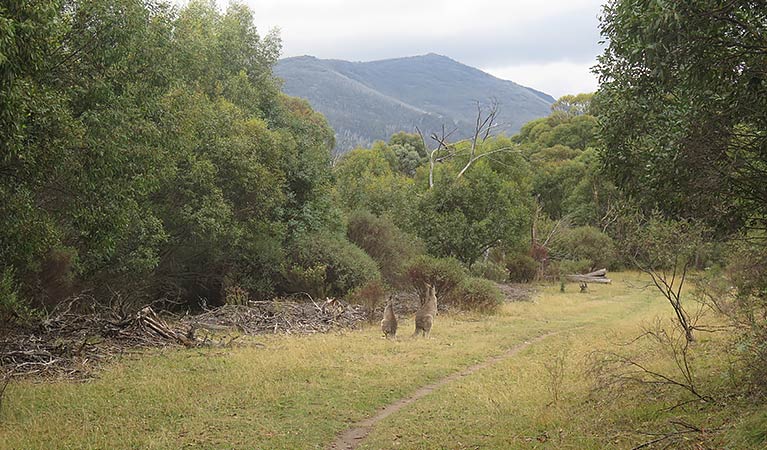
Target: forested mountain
{"type": "Point", "coordinates": [367, 101]}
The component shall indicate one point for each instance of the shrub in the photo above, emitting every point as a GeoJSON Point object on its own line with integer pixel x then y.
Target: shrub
{"type": "Point", "coordinates": [325, 264]}
{"type": "Point", "coordinates": [311, 279]}
{"type": "Point", "coordinates": [490, 270]}
{"type": "Point", "coordinates": [57, 274]}
{"type": "Point", "coordinates": [476, 294]}
{"type": "Point", "coordinates": [569, 266]}
{"type": "Point", "coordinates": [13, 309]}
{"type": "Point", "coordinates": [236, 295]}
{"type": "Point", "coordinates": [522, 268]}
{"type": "Point", "coordinates": [389, 246]}
{"type": "Point", "coordinates": [585, 243]}
{"type": "Point", "coordinates": [746, 305]}
{"type": "Point", "coordinates": [371, 296]}
{"type": "Point", "coordinates": [442, 273]}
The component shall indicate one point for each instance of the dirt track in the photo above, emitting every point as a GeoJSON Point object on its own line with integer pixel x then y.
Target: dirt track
{"type": "Point", "coordinates": [353, 436]}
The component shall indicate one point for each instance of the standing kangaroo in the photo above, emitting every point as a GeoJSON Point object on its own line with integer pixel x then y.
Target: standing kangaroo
{"type": "Point", "coordinates": [424, 317]}
{"type": "Point", "coordinates": [389, 322]}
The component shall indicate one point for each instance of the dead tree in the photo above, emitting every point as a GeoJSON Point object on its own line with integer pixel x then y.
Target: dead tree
{"type": "Point", "coordinates": [666, 250]}
{"type": "Point", "coordinates": [484, 125]}
{"type": "Point", "coordinates": [442, 144]}
{"type": "Point", "coordinates": [614, 370]}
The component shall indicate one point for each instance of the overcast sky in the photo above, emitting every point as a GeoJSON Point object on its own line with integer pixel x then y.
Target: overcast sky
{"type": "Point", "coordinates": [548, 45]}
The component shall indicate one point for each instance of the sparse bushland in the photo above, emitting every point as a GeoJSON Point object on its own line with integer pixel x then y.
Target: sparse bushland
{"type": "Point", "coordinates": [148, 154]}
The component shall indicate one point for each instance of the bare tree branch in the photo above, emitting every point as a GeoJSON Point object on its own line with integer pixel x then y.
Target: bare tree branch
{"type": "Point", "coordinates": [483, 127]}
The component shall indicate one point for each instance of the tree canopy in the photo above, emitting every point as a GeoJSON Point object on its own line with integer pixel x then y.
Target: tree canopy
{"type": "Point", "coordinates": [683, 107]}
{"type": "Point", "coordinates": [148, 147]}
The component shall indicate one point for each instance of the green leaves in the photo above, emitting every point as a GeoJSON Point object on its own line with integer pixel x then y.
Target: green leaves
{"type": "Point", "coordinates": [463, 218]}
{"type": "Point", "coordinates": [681, 81]}
{"type": "Point", "coordinates": [156, 146]}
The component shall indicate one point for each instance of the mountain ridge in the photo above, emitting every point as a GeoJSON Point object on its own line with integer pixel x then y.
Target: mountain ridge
{"type": "Point", "coordinates": [368, 101]}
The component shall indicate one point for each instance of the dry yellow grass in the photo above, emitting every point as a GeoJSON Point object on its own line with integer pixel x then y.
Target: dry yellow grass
{"type": "Point", "coordinates": [513, 405]}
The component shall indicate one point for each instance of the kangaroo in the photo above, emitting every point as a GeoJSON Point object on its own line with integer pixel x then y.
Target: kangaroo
{"type": "Point", "coordinates": [389, 322]}
{"type": "Point", "coordinates": [424, 317]}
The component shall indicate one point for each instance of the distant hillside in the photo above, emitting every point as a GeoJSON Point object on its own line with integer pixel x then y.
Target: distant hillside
{"type": "Point", "coordinates": [366, 101]}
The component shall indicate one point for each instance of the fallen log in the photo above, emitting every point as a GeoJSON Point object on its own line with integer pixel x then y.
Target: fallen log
{"type": "Point", "coordinates": [587, 279]}
{"type": "Point", "coordinates": [596, 273]}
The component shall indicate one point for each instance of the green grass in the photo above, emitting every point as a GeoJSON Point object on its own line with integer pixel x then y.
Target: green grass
{"type": "Point", "coordinates": [301, 391]}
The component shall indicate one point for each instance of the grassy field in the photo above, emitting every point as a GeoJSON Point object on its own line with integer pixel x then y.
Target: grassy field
{"type": "Point", "coordinates": [301, 391]}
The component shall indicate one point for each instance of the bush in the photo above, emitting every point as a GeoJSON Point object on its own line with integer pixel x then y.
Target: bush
{"type": "Point", "coordinates": [477, 294]}
{"type": "Point", "coordinates": [12, 308]}
{"type": "Point", "coordinates": [746, 305]}
{"type": "Point", "coordinates": [522, 268]}
{"type": "Point", "coordinates": [325, 264]}
{"type": "Point", "coordinates": [569, 266]}
{"type": "Point", "coordinates": [371, 296]}
{"type": "Point", "coordinates": [442, 273]}
{"type": "Point", "coordinates": [390, 247]}
{"type": "Point", "coordinates": [585, 243]}
{"type": "Point", "coordinates": [490, 270]}
{"type": "Point", "coordinates": [236, 295]}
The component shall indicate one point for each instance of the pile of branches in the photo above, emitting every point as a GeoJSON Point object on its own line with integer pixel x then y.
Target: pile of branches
{"type": "Point", "coordinates": [70, 342]}
{"type": "Point", "coordinates": [516, 292]}
{"type": "Point", "coordinates": [280, 317]}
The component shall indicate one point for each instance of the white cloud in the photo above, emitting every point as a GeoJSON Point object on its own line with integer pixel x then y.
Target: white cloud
{"type": "Point", "coordinates": [361, 29]}
{"type": "Point", "coordinates": [556, 78]}
{"type": "Point", "coordinates": [524, 40]}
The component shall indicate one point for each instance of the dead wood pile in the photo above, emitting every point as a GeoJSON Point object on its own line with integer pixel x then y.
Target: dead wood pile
{"type": "Point", "coordinates": [280, 317]}
{"type": "Point", "coordinates": [68, 344]}
{"type": "Point", "coordinates": [516, 292]}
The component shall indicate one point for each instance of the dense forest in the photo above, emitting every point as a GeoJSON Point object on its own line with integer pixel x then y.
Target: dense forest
{"type": "Point", "coordinates": [149, 151]}
{"type": "Point", "coordinates": [148, 154]}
